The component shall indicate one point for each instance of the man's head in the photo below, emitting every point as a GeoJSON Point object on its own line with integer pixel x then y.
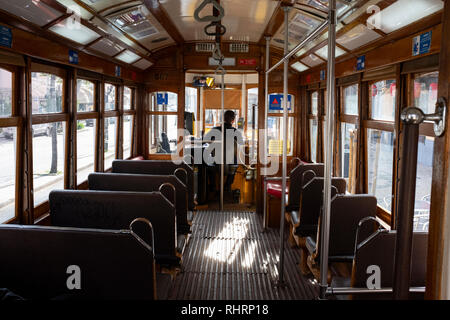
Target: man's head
{"type": "Point", "coordinates": [229, 116]}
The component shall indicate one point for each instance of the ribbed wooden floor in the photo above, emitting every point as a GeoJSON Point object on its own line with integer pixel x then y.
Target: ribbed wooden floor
{"type": "Point", "coordinates": [229, 258]}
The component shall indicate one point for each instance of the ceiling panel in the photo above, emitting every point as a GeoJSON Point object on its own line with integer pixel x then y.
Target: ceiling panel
{"type": "Point", "coordinates": [75, 31]}
{"type": "Point", "coordinates": [244, 20]}
{"type": "Point", "coordinates": [34, 11]}
{"type": "Point", "coordinates": [143, 64]}
{"type": "Point", "coordinates": [107, 47]}
{"type": "Point", "coordinates": [77, 9]}
{"type": "Point", "coordinates": [357, 37]}
{"type": "Point", "coordinates": [323, 52]}
{"type": "Point", "coordinates": [312, 60]}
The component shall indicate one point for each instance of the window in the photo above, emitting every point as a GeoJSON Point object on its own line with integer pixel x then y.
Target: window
{"type": "Point", "coordinates": [85, 96]}
{"type": "Point", "coordinates": [275, 127]}
{"type": "Point", "coordinates": [86, 133]}
{"type": "Point", "coordinates": [213, 118]}
{"type": "Point", "coordinates": [47, 93]}
{"type": "Point", "coordinates": [8, 173]}
{"type": "Point", "coordinates": [127, 98]}
{"type": "Point", "coordinates": [48, 159]}
{"type": "Point", "coordinates": [350, 94]}
{"type": "Point", "coordinates": [164, 101]}
{"type": "Point", "coordinates": [275, 135]}
{"type": "Point", "coordinates": [423, 183]}
{"type": "Point", "coordinates": [110, 142]}
{"type": "Point", "coordinates": [315, 103]}
{"type": "Point", "coordinates": [252, 121]}
{"type": "Point", "coordinates": [110, 97]}
{"type": "Point", "coordinates": [127, 135]}
{"type": "Point", "coordinates": [382, 100]}
{"type": "Point", "coordinates": [191, 100]}
{"type": "Point", "coordinates": [425, 96]}
{"type": "Point", "coordinates": [163, 133]}
{"type": "Point", "coordinates": [425, 91]}
{"type": "Point", "coordinates": [313, 126]}
{"type": "Point", "coordinates": [348, 152]}
{"type": "Point", "coordinates": [6, 93]}
{"type": "Point", "coordinates": [163, 127]}
{"type": "Point", "coordinates": [380, 155]}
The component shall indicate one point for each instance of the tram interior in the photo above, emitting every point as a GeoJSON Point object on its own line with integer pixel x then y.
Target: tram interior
{"type": "Point", "coordinates": [106, 112]}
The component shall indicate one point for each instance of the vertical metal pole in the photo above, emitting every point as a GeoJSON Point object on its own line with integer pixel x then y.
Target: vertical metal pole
{"type": "Point", "coordinates": [264, 151]}
{"type": "Point", "coordinates": [285, 136]}
{"type": "Point", "coordinates": [406, 200]}
{"type": "Point", "coordinates": [329, 120]}
{"type": "Point", "coordinates": [222, 165]}
{"type": "Point", "coordinates": [200, 129]}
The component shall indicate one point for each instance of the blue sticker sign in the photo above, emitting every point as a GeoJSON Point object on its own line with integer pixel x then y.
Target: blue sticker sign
{"type": "Point", "coordinates": [322, 75]}
{"type": "Point", "coordinates": [276, 102]}
{"type": "Point", "coordinates": [162, 98]}
{"type": "Point", "coordinates": [361, 63]}
{"type": "Point", "coordinates": [73, 57]}
{"type": "Point", "coordinates": [421, 44]}
{"type": "Point", "coordinates": [118, 71]}
{"type": "Point", "coordinates": [5, 37]}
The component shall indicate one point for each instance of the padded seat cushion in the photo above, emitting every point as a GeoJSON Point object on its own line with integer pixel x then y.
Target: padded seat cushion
{"type": "Point", "coordinates": [310, 245]}
{"type": "Point", "coordinates": [274, 189]}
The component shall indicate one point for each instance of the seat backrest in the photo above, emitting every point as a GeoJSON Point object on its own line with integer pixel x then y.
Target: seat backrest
{"type": "Point", "coordinates": [113, 264]}
{"type": "Point", "coordinates": [144, 183]}
{"type": "Point", "coordinates": [346, 212]}
{"type": "Point", "coordinates": [311, 198]}
{"type": "Point", "coordinates": [296, 181]}
{"type": "Point", "coordinates": [379, 250]}
{"type": "Point", "coordinates": [158, 167]}
{"type": "Point", "coordinates": [115, 210]}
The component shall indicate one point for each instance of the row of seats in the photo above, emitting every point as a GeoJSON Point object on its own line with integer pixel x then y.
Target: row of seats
{"type": "Point", "coordinates": [126, 234]}
{"type": "Point", "coordinates": [356, 238]}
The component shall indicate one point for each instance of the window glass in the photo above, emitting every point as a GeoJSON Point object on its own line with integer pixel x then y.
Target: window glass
{"type": "Point", "coordinates": [425, 91]}
{"type": "Point", "coordinates": [275, 135]}
{"type": "Point", "coordinates": [110, 97]}
{"type": "Point", "coordinates": [5, 93]}
{"type": "Point", "coordinates": [382, 100]}
{"type": "Point", "coordinates": [252, 126]}
{"type": "Point", "coordinates": [277, 106]}
{"type": "Point", "coordinates": [351, 100]}
{"type": "Point", "coordinates": [348, 151]}
{"type": "Point", "coordinates": [110, 141]}
{"type": "Point", "coordinates": [191, 100]}
{"type": "Point", "coordinates": [423, 183]}
{"type": "Point", "coordinates": [127, 98]}
{"type": "Point", "coordinates": [313, 126]}
{"type": "Point", "coordinates": [48, 159]}
{"type": "Point", "coordinates": [85, 96]}
{"type": "Point", "coordinates": [213, 118]}
{"type": "Point", "coordinates": [163, 133]}
{"type": "Point", "coordinates": [85, 148]}
{"type": "Point", "coordinates": [380, 160]}
{"type": "Point", "coordinates": [164, 101]}
{"type": "Point", "coordinates": [315, 103]}
{"type": "Point", "coordinates": [47, 93]}
{"type": "Point", "coordinates": [8, 144]}
{"type": "Point", "coordinates": [127, 136]}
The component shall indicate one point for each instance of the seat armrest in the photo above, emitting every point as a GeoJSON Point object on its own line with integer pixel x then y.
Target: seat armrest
{"type": "Point", "coordinates": [311, 245]}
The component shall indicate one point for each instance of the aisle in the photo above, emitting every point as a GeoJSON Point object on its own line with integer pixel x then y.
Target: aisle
{"type": "Point", "coordinates": [229, 258]}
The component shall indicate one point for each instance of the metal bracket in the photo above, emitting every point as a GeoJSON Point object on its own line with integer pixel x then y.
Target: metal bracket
{"type": "Point", "coordinates": [220, 70]}
{"type": "Point", "coordinates": [209, 18]}
{"type": "Point", "coordinates": [413, 115]}
{"type": "Point", "coordinates": [217, 54]}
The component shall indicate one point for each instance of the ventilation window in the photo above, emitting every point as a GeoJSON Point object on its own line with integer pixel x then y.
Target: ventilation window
{"type": "Point", "coordinates": [239, 47]}
{"type": "Point", "coordinates": [134, 22]}
{"type": "Point", "coordinates": [204, 47]}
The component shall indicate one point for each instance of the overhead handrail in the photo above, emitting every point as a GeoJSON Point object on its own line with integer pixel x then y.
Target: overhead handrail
{"type": "Point", "coordinates": [210, 17]}
{"type": "Point", "coordinates": [221, 32]}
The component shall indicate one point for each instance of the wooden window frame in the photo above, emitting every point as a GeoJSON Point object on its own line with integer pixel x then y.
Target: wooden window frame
{"type": "Point", "coordinates": [14, 120]}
